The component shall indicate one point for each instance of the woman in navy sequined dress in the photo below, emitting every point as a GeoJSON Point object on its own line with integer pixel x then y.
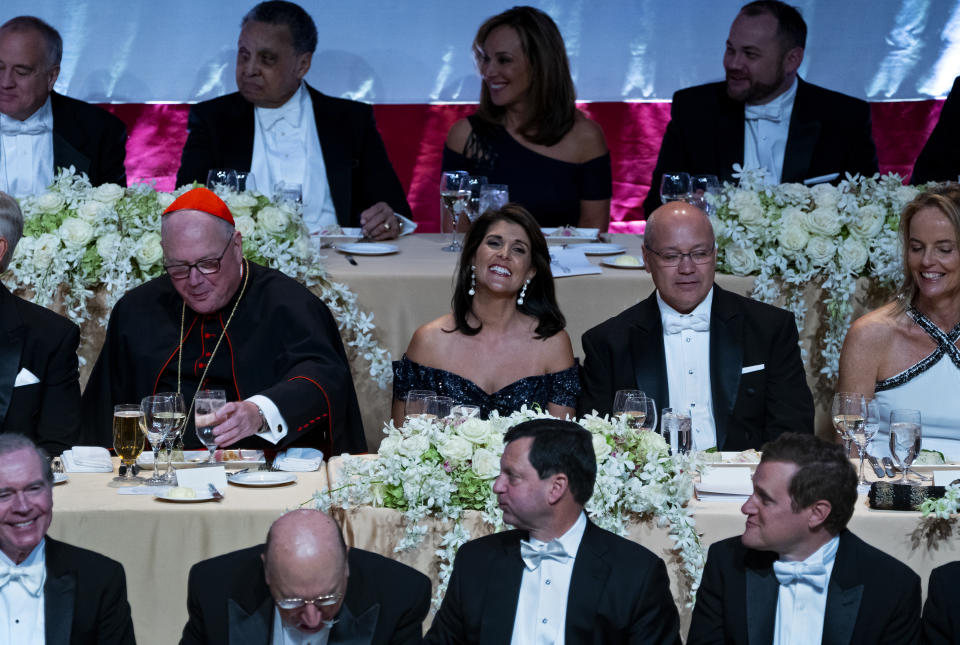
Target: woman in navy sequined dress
{"type": "Point", "coordinates": [503, 345]}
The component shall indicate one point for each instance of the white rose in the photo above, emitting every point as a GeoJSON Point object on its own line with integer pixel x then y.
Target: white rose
{"type": "Point", "coordinates": [240, 201]}
{"type": "Point", "coordinates": [793, 237]}
{"type": "Point", "coordinates": [44, 250]}
{"type": "Point", "coordinates": [853, 255]}
{"type": "Point", "coordinates": [474, 431]}
{"type": "Point", "coordinates": [164, 200]}
{"type": "Point", "coordinates": [241, 212]}
{"type": "Point", "coordinates": [485, 464]}
{"type": "Point", "coordinates": [75, 232]}
{"type": "Point", "coordinates": [456, 449]}
{"type": "Point", "coordinates": [793, 216]}
{"type": "Point", "coordinates": [868, 222]}
{"type": "Point", "coordinates": [108, 193]}
{"type": "Point", "coordinates": [825, 196]}
{"type": "Point", "coordinates": [245, 224]}
{"type": "Point", "coordinates": [824, 221]}
{"type": "Point", "coordinates": [797, 193]}
{"type": "Point", "coordinates": [49, 202]}
{"type": "Point", "coordinates": [820, 250]}
{"type": "Point", "coordinates": [148, 251]}
{"type": "Point", "coordinates": [273, 220]}
{"type": "Point", "coordinates": [414, 446]}
{"type": "Point", "coordinates": [389, 445]}
{"type": "Point", "coordinates": [742, 260]}
{"type": "Point", "coordinates": [91, 210]}
{"type": "Point", "coordinates": [107, 245]}
{"type": "Point", "coordinates": [746, 205]}
{"type": "Point", "coordinates": [601, 448]}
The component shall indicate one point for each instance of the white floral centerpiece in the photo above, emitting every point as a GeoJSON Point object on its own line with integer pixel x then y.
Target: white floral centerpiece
{"type": "Point", "coordinates": [430, 468]}
{"type": "Point", "coordinates": [77, 238]}
{"type": "Point", "coordinates": [791, 236]}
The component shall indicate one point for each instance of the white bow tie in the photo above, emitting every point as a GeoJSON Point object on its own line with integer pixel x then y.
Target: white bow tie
{"type": "Point", "coordinates": [766, 112]}
{"type": "Point", "coordinates": [811, 573]}
{"type": "Point", "coordinates": [532, 556]}
{"type": "Point", "coordinates": [676, 323]}
{"type": "Point", "coordinates": [12, 127]}
{"type": "Point", "coordinates": [31, 577]}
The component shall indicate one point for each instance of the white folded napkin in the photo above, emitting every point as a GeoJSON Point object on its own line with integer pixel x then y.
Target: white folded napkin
{"type": "Point", "coordinates": [725, 484]}
{"type": "Point", "coordinates": [87, 459]}
{"type": "Point", "coordinates": [299, 460]}
{"type": "Point", "coordinates": [565, 263]}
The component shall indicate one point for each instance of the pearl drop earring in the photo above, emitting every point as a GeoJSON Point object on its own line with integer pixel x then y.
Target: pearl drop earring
{"type": "Point", "coordinates": [473, 281]}
{"type": "Point", "coordinates": [523, 292]}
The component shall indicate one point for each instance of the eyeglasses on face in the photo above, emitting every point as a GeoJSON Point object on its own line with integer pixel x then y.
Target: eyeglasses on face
{"type": "Point", "coordinates": [206, 267]}
{"type": "Point", "coordinates": [672, 258]}
{"type": "Point", "coordinates": [326, 600]}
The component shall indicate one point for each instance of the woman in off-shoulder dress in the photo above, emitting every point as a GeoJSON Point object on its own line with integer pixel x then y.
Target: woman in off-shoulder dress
{"type": "Point", "coordinates": [503, 345]}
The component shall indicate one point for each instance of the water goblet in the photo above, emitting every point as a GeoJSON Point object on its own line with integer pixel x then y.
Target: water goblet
{"type": "Point", "coordinates": [179, 416]}
{"type": "Point", "coordinates": [222, 177]}
{"type": "Point", "coordinates": [674, 186]}
{"type": "Point", "coordinates": [416, 403]}
{"type": "Point", "coordinates": [864, 433]}
{"type": "Point", "coordinates": [465, 411]}
{"type": "Point", "coordinates": [206, 404]}
{"type": "Point", "coordinates": [454, 196]}
{"type": "Point", "coordinates": [905, 440]}
{"type": "Point", "coordinates": [474, 184]}
{"type": "Point", "coordinates": [127, 443]}
{"type": "Point", "coordinates": [493, 197]}
{"type": "Point", "coordinates": [438, 407]}
{"type": "Point", "coordinates": [676, 426]}
{"type": "Point", "coordinates": [847, 413]}
{"type": "Point", "coordinates": [246, 181]}
{"type": "Point", "coordinates": [156, 422]}
{"type": "Point", "coordinates": [704, 189]}
{"type": "Point", "coordinates": [287, 192]}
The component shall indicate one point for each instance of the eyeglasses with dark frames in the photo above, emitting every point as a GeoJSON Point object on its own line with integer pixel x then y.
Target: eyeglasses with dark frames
{"type": "Point", "coordinates": [206, 267]}
{"type": "Point", "coordinates": [672, 259]}
{"type": "Point", "coordinates": [326, 600]}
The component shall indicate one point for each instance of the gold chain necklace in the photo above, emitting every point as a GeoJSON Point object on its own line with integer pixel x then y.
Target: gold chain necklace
{"type": "Point", "coordinates": [183, 314]}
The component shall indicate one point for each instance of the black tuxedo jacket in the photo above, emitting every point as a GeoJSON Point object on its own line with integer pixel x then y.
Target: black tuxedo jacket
{"type": "Point", "coordinates": [829, 132]}
{"type": "Point", "coordinates": [85, 598]}
{"type": "Point", "coordinates": [358, 170]}
{"type": "Point", "coordinates": [90, 139]}
{"type": "Point", "coordinates": [619, 593]}
{"type": "Point", "coordinates": [626, 353]}
{"type": "Point", "coordinates": [941, 612]}
{"type": "Point", "coordinates": [940, 158]}
{"type": "Point", "coordinates": [34, 338]}
{"type": "Point", "coordinates": [871, 599]}
{"type": "Point", "coordinates": [229, 602]}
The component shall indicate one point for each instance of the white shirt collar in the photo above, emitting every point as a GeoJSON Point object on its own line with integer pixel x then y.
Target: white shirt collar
{"type": "Point", "coordinates": [571, 539]}
{"type": "Point", "coordinates": [779, 104]}
{"type": "Point", "coordinates": [43, 117]}
{"type": "Point", "coordinates": [292, 111]}
{"type": "Point", "coordinates": [703, 308]}
{"type": "Point", "coordinates": [37, 555]}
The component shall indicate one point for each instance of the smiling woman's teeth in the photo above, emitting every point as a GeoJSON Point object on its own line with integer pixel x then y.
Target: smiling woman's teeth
{"type": "Point", "coordinates": [932, 276]}
{"type": "Point", "coordinates": [501, 270]}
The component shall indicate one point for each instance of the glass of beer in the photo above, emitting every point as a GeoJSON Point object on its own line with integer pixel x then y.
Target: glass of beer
{"type": "Point", "coordinates": [207, 403]}
{"type": "Point", "coordinates": [127, 442]}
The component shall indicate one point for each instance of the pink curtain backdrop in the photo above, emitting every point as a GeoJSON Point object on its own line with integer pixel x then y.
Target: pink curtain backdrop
{"type": "Point", "coordinates": [414, 136]}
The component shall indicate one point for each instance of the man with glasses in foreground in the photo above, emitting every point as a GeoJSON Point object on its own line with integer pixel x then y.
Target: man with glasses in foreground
{"type": "Point", "coordinates": [305, 587]}
{"type": "Point", "coordinates": [734, 362]}
{"type": "Point", "coordinates": [260, 336]}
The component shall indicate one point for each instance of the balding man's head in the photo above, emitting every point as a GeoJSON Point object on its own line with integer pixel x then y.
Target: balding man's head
{"type": "Point", "coordinates": [679, 251]}
{"type": "Point", "coordinates": [306, 558]}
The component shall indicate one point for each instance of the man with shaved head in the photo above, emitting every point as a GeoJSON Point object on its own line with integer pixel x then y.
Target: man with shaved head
{"type": "Point", "coordinates": [734, 362]}
{"type": "Point", "coordinates": [218, 321]}
{"type": "Point", "coordinates": [304, 586]}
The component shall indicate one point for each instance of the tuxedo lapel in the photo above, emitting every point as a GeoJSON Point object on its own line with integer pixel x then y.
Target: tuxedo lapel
{"type": "Point", "coordinates": [801, 138]}
{"type": "Point", "coordinates": [64, 126]}
{"type": "Point", "coordinates": [354, 630]}
{"type": "Point", "coordinates": [11, 347]}
{"type": "Point", "coordinates": [761, 610]}
{"type": "Point", "coordinates": [646, 349]}
{"type": "Point", "coordinates": [503, 594]}
{"type": "Point", "coordinates": [249, 626]}
{"type": "Point", "coordinates": [59, 595]}
{"type": "Point", "coordinates": [590, 573]}
{"type": "Point", "coordinates": [726, 359]}
{"type": "Point", "coordinates": [843, 595]}
{"type": "Point", "coordinates": [337, 156]}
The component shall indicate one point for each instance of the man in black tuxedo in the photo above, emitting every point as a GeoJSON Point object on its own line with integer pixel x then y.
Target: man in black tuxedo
{"type": "Point", "coordinates": [304, 581]}
{"type": "Point", "coordinates": [246, 131]}
{"type": "Point", "coordinates": [557, 575]}
{"type": "Point", "coordinates": [941, 612]}
{"type": "Point", "coordinates": [797, 575]}
{"type": "Point", "coordinates": [83, 595]}
{"type": "Point", "coordinates": [763, 115]}
{"type": "Point", "coordinates": [940, 158]}
{"type": "Point", "coordinates": [39, 380]}
{"type": "Point", "coordinates": [691, 345]}
{"type": "Point", "coordinates": [40, 130]}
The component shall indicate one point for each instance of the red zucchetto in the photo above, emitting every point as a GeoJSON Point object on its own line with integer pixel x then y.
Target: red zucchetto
{"type": "Point", "coordinates": [204, 200]}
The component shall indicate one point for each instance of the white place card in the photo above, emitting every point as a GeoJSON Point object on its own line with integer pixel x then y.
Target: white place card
{"type": "Point", "coordinates": [944, 477]}
{"type": "Point", "coordinates": [199, 478]}
{"type": "Point", "coordinates": [565, 263]}
{"type": "Point", "coordinates": [725, 484]}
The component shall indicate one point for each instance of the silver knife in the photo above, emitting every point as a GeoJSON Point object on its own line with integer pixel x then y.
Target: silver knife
{"type": "Point", "coordinates": [889, 467]}
{"type": "Point", "coordinates": [217, 495]}
{"type": "Point", "coordinates": [877, 468]}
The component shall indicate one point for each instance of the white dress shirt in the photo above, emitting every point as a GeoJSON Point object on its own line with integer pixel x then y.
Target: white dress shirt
{"type": "Point", "coordinates": [26, 152]}
{"type": "Point", "coordinates": [289, 635]}
{"type": "Point", "coordinates": [541, 617]}
{"type": "Point", "coordinates": [801, 605]}
{"type": "Point", "coordinates": [687, 356]}
{"type": "Point", "coordinates": [765, 130]}
{"type": "Point", "coordinates": [21, 611]}
{"type": "Point", "coordinates": [286, 148]}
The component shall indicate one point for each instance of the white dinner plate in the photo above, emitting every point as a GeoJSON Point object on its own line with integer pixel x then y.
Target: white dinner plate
{"type": "Point", "coordinates": [262, 478]}
{"type": "Point", "coordinates": [598, 248]}
{"type": "Point", "coordinates": [202, 496]}
{"type": "Point", "coordinates": [194, 458]}
{"type": "Point", "coordinates": [60, 478]}
{"type": "Point", "coordinates": [574, 235]}
{"type": "Point", "coordinates": [368, 248]}
{"type": "Point", "coordinates": [612, 262]}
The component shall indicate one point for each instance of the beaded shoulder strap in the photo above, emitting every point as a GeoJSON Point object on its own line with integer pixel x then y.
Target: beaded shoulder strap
{"type": "Point", "coordinates": [946, 344]}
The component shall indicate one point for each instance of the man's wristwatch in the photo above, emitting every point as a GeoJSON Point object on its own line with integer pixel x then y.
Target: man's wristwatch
{"type": "Point", "coordinates": [263, 420]}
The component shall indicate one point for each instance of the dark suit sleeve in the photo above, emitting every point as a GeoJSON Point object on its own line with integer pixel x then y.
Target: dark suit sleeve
{"type": "Point", "coordinates": [788, 402]}
{"type": "Point", "coordinates": [378, 178]}
{"type": "Point", "coordinates": [655, 618]}
{"type": "Point", "coordinates": [197, 158]}
{"type": "Point", "coordinates": [409, 627]}
{"type": "Point", "coordinates": [706, 624]}
{"type": "Point", "coordinates": [939, 621]}
{"type": "Point", "coordinates": [596, 377]}
{"type": "Point", "coordinates": [115, 625]}
{"type": "Point", "coordinates": [940, 158]}
{"type": "Point", "coordinates": [194, 632]}
{"type": "Point", "coordinates": [58, 424]}
{"type": "Point", "coordinates": [862, 152]}
{"type": "Point", "coordinates": [903, 624]}
{"type": "Point", "coordinates": [113, 153]}
{"type": "Point", "coordinates": [448, 626]}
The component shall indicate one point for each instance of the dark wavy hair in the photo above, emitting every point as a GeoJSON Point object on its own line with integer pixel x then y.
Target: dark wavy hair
{"type": "Point", "coordinates": [560, 447]}
{"type": "Point", "coordinates": [825, 473]}
{"type": "Point", "coordinates": [551, 95]}
{"type": "Point", "coordinates": [540, 300]}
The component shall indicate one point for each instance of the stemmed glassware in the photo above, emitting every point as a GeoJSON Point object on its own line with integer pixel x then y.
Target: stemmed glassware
{"type": "Point", "coordinates": [677, 421]}
{"type": "Point", "coordinates": [905, 440]}
{"type": "Point", "coordinates": [416, 403]}
{"type": "Point", "coordinates": [474, 184]}
{"type": "Point", "coordinates": [178, 413]}
{"type": "Point", "coordinates": [640, 409]}
{"type": "Point", "coordinates": [454, 198]}
{"type": "Point", "coordinates": [465, 411]}
{"type": "Point", "coordinates": [156, 422]}
{"type": "Point", "coordinates": [225, 177]}
{"type": "Point", "coordinates": [206, 404]}
{"type": "Point", "coordinates": [493, 197]}
{"type": "Point", "coordinates": [704, 189]}
{"type": "Point", "coordinates": [127, 442]}
{"type": "Point", "coordinates": [438, 407]}
{"type": "Point", "coordinates": [674, 186]}
{"type": "Point", "coordinates": [849, 410]}
{"type": "Point", "coordinates": [863, 433]}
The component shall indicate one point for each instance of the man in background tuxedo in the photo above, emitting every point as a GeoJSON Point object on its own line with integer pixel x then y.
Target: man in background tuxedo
{"type": "Point", "coordinates": [557, 577]}
{"type": "Point", "coordinates": [941, 612]}
{"type": "Point", "coordinates": [734, 362]}
{"type": "Point", "coordinates": [39, 379]}
{"type": "Point", "coordinates": [40, 130]}
{"type": "Point", "coordinates": [50, 592]}
{"type": "Point", "coordinates": [282, 129]}
{"type": "Point", "coordinates": [303, 586]}
{"type": "Point", "coordinates": [940, 158]}
{"type": "Point", "coordinates": [797, 575]}
{"type": "Point", "coordinates": [764, 115]}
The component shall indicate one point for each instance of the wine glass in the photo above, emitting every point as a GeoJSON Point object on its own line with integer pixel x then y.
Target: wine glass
{"type": "Point", "coordinates": [156, 422]}
{"type": "Point", "coordinates": [416, 402]}
{"type": "Point", "coordinates": [179, 415]}
{"type": "Point", "coordinates": [225, 177]}
{"type": "Point", "coordinates": [287, 192]}
{"type": "Point", "coordinates": [639, 408]}
{"type": "Point", "coordinates": [493, 197]}
{"type": "Point", "coordinates": [848, 412]}
{"type": "Point", "coordinates": [905, 439]}
{"type": "Point", "coordinates": [674, 186]}
{"type": "Point", "coordinates": [474, 184]}
{"type": "Point", "coordinates": [438, 407]}
{"type": "Point", "coordinates": [677, 423]}
{"type": "Point", "coordinates": [465, 411]}
{"type": "Point", "coordinates": [454, 196]}
{"type": "Point", "coordinates": [127, 442]}
{"type": "Point", "coordinates": [864, 433]}
{"type": "Point", "coordinates": [207, 402]}
{"type": "Point", "coordinates": [245, 181]}
{"type": "Point", "coordinates": [703, 190]}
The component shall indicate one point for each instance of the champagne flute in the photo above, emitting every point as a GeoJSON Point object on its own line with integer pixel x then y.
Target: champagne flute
{"type": "Point", "coordinates": [474, 184]}
{"type": "Point", "coordinates": [674, 186]}
{"type": "Point", "coordinates": [207, 402]}
{"type": "Point", "coordinates": [848, 412]}
{"type": "Point", "coordinates": [493, 197]}
{"type": "Point", "coordinates": [222, 177]}
{"type": "Point", "coordinates": [416, 403]}
{"type": "Point", "coordinates": [905, 439]}
{"type": "Point", "coordinates": [127, 442]}
{"type": "Point", "coordinates": [454, 196]}
{"type": "Point", "coordinates": [179, 415]}
{"type": "Point", "coordinates": [156, 422]}
{"type": "Point", "coordinates": [865, 432]}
